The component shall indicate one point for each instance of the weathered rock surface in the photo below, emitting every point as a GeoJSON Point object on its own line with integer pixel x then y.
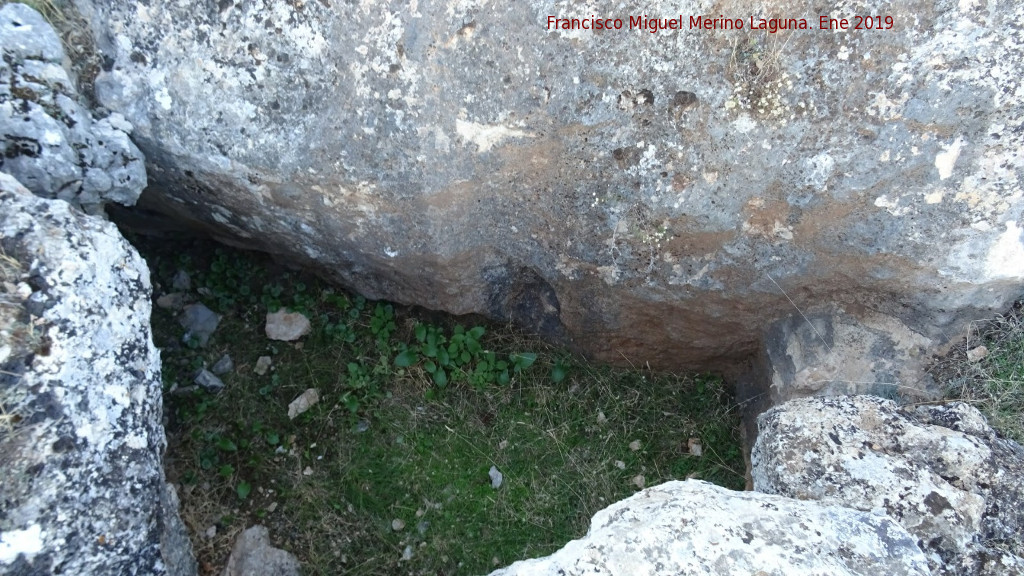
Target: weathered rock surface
{"type": "Point", "coordinates": [939, 471]}
{"type": "Point", "coordinates": [253, 555]}
{"type": "Point", "coordinates": [48, 141]}
{"type": "Point", "coordinates": [83, 488]}
{"type": "Point", "coordinates": [642, 193]}
{"type": "Point", "coordinates": [693, 527]}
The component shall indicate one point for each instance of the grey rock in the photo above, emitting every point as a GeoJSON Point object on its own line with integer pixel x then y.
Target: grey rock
{"type": "Point", "coordinates": [199, 322]}
{"type": "Point", "coordinates": [209, 381]}
{"type": "Point", "coordinates": [181, 282]}
{"type": "Point", "coordinates": [693, 527]}
{"type": "Point", "coordinates": [496, 477]}
{"type": "Point", "coordinates": [939, 471]}
{"type": "Point", "coordinates": [175, 546]}
{"type": "Point", "coordinates": [83, 487]}
{"type": "Point", "coordinates": [635, 193]}
{"type": "Point", "coordinates": [223, 366]}
{"type": "Point", "coordinates": [253, 555]}
{"type": "Point", "coordinates": [172, 301]}
{"type": "Point", "coordinates": [54, 146]}
{"type": "Point", "coordinates": [286, 326]}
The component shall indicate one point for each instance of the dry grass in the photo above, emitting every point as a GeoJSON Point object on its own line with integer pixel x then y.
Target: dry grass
{"type": "Point", "coordinates": [987, 370]}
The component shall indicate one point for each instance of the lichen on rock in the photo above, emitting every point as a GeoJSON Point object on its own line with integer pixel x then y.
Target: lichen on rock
{"type": "Point", "coordinates": [83, 486]}
{"type": "Point", "coordinates": [940, 471]}
{"type": "Point", "coordinates": [48, 140]}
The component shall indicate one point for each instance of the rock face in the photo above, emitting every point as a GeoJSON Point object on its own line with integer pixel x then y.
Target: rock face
{"type": "Point", "coordinates": [690, 528]}
{"type": "Point", "coordinates": [939, 471]}
{"type": "Point", "coordinates": [665, 196]}
{"type": "Point", "coordinates": [54, 146]}
{"type": "Point", "coordinates": [81, 439]}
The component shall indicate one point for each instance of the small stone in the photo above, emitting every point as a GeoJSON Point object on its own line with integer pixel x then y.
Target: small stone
{"type": "Point", "coordinates": [211, 532]}
{"type": "Point", "coordinates": [262, 365]}
{"type": "Point", "coordinates": [397, 524]}
{"type": "Point", "coordinates": [207, 380]}
{"type": "Point", "coordinates": [620, 464]}
{"type": "Point", "coordinates": [976, 354]}
{"type": "Point", "coordinates": [172, 301]}
{"type": "Point", "coordinates": [407, 553]}
{"type": "Point", "coordinates": [272, 508]}
{"type": "Point", "coordinates": [253, 555]}
{"type": "Point", "coordinates": [639, 481]}
{"type": "Point", "coordinates": [601, 418]}
{"type": "Point", "coordinates": [304, 402]}
{"type": "Point", "coordinates": [634, 445]}
{"type": "Point", "coordinates": [308, 471]}
{"type": "Point", "coordinates": [200, 323]}
{"type": "Point", "coordinates": [422, 526]}
{"type": "Point", "coordinates": [223, 366]}
{"type": "Point", "coordinates": [181, 281]}
{"type": "Point", "coordinates": [496, 477]}
{"type": "Point", "coordinates": [695, 447]}
{"type": "Point", "coordinates": [286, 326]}
{"type": "Point", "coordinates": [503, 444]}
{"type": "Point", "coordinates": [364, 425]}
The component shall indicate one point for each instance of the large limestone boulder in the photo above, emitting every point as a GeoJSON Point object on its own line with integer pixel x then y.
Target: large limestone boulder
{"type": "Point", "coordinates": [693, 528]}
{"type": "Point", "coordinates": [81, 439]}
{"type": "Point", "coordinates": [48, 140]}
{"type": "Point", "coordinates": [940, 471]}
{"type": "Point", "coordinates": [664, 197]}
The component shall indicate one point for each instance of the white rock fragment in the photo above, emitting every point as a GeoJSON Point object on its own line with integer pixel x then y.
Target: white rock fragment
{"type": "Point", "coordinates": [398, 524]}
{"type": "Point", "coordinates": [694, 446]}
{"type": "Point", "coordinates": [496, 477]}
{"type": "Point", "coordinates": [634, 445]}
{"type": "Point", "coordinates": [977, 354]}
{"type": "Point", "coordinates": [304, 402]}
{"type": "Point", "coordinates": [286, 326]}
{"type": "Point", "coordinates": [262, 365]}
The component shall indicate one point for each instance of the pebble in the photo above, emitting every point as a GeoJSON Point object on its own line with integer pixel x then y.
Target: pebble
{"type": "Point", "coordinates": [207, 380]}
{"type": "Point", "coordinates": [496, 477]}
{"type": "Point", "coordinates": [695, 446]}
{"type": "Point", "coordinates": [976, 354]}
{"type": "Point", "coordinates": [639, 481]}
{"type": "Point", "coordinates": [223, 366]}
{"type": "Point", "coordinates": [634, 445]}
{"type": "Point", "coordinates": [181, 281]}
{"type": "Point", "coordinates": [200, 323]}
{"type": "Point", "coordinates": [304, 402]}
{"type": "Point", "coordinates": [286, 326]}
{"type": "Point", "coordinates": [262, 365]}
{"type": "Point", "coordinates": [397, 524]}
